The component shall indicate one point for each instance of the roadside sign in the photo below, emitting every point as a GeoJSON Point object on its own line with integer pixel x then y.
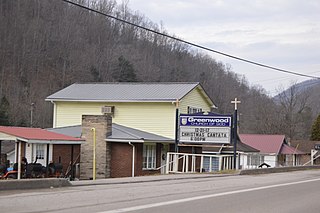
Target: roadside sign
{"type": "Point", "coordinates": [204, 129]}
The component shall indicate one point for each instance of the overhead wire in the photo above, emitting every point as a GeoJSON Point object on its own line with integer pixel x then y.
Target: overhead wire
{"type": "Point", "coordinates": [193, 44]}
{"type": "Point", "coordinates": [277, 79]}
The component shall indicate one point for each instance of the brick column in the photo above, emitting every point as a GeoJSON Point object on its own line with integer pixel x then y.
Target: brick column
{"type": "Point", "coordinates": [103, 126]}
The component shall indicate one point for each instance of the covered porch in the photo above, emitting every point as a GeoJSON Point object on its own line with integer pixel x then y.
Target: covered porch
{"type": "Point", "coordinates": [36, 145]}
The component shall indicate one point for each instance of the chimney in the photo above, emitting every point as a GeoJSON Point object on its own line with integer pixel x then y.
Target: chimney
{"type": "Point", "coordinates": [103, 128]}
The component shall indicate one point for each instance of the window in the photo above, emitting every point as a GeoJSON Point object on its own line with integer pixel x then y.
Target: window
{"type": "Point", "coordinates": [40, 151]}
{"type": "Point", "coordinates": [149, 156]}
{"type": "Point", "coordinates": [255, 160]}
{"type": "Point", "coordinates": [192, 110]}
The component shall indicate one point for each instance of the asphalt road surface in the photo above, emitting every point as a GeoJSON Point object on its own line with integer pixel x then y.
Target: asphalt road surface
{"type": "Point", "coordinates": [282, 192]}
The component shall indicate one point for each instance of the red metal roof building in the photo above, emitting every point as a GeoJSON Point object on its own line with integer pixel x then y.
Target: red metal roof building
{"type": "Point", "coordinates": [40, 144]}
{"type": "Point", "coordinates": [34, 135]}
{"type": "Point", "coordinates": [274, 150]}
{"type": "Point", "coordinates": [269, 144]}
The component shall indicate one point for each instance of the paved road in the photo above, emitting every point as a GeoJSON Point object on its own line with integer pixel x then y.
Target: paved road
{"type": "Point", "coordinates": [282, 192]}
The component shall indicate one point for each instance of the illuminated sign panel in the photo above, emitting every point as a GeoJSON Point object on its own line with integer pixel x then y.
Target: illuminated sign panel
{"type": "Point", "coordinates": [205, 129]}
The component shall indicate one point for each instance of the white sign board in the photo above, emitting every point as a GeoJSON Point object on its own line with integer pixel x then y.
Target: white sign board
{"type": "Point", "coordinates": [205, 129]}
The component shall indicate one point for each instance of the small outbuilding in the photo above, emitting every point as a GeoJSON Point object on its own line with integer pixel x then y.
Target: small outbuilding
{"type": "Point", "coordinates": [41, 145]}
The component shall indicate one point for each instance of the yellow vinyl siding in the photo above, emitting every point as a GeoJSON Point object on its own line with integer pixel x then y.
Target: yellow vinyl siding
{"type": "Point", "coordinates": [70, 113]}
{"type": "Point", "coordinates": [157, 118]}
{"type": "Point", "coordinates": [194, 99]}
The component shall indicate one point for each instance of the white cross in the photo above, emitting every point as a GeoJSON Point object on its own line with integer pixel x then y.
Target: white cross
{"type": "Point", "coordinates": [236, 102]}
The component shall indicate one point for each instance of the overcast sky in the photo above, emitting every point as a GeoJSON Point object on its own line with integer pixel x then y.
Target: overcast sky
{"type": "Point", "coordinates": [280, 33]}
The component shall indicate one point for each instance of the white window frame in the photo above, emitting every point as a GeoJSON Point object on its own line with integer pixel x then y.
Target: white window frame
{"type": "Point", "coordinates": [149, 156]}
{"type": "Point", "coordinates": [192, 110]}
{"type": "Point", "coordinates": [40, 151]}
{"type": "Point", "coordinates": [255, 159]}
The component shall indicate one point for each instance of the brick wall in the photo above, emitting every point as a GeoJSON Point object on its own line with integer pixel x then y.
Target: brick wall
{"type": "Point", "coordinates": [62, 154]}
{"type": "Point", "coordinates": [102, 125]}
{"type": "Point", "coordinates": [121, 160]}
{"type": "Point", "coordinates": [307, 157]}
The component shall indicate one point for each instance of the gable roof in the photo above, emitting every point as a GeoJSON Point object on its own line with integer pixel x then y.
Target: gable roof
{"type": "Point", "coordinates": [126, 92]}
{"type": "Point", "coordinates": [119, 134]}
{"type": "Point", "coordinates": [73, 131]}
{"type": "Point", "coordinates": [36, 135]}
{"type": "Point", "coordinates": [287, 150]}
{"type": "Point", "coordinates": [269, 144]}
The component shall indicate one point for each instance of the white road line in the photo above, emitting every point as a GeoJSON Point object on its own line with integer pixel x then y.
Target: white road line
{"type": "Point", "coordinates": [134, 208]}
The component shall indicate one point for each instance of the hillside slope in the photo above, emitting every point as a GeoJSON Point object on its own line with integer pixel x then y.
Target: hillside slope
{"type": "Point", "coordinates": [47, 45]}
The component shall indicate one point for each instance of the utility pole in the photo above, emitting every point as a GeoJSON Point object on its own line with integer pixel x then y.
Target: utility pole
{"type": "Point", "coordinates": [31, 114]}
{"type": "Point", "coordinates": [235, 131]}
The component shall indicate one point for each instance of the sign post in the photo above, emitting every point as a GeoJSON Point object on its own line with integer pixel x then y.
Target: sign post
{"type": "Point", "coordinates": [235, 131]}
{"type": "Point", "coordinates": [177, 127]}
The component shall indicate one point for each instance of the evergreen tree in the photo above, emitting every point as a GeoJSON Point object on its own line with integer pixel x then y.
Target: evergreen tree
{"type": "Point", "coordinates": [4, 112]}
{"type": "Point", "coordinates": [124, 72]}
{"type": "Point", "coordinates": [315, 133]}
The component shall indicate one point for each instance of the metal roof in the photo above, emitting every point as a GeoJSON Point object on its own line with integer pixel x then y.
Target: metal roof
{"type": "Point", "coordinates": [126, 92]}
{"type": "Point", "coordinates": [265, 143]}
{"type": "Point", "coordinates": [119, 134]}
{"type": "Point", "coordinates": [269, 144]}
{"type": "Point", "coordinates": [73, 131]}
{"type": "Point", "coordinates": [289, 150]}
{"type": "Point", "coordinates": [36, 135]}
{"type": "Point", "coordinates": [241, 147]}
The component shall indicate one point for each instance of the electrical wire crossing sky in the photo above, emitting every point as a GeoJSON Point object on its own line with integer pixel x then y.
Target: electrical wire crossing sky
{"type": "Point", "coordinates": [272, 40]}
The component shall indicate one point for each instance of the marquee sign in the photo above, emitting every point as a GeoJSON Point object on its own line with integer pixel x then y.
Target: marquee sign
{"type": "Point", "coordinates": [205, 129]}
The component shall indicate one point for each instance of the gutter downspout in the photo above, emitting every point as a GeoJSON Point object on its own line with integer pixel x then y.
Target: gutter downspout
{"type": "Point", "coordinates": [54, 114]}
{"type": "Point", "coordinates": [133, 157]}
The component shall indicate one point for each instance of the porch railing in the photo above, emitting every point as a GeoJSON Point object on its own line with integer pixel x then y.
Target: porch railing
{"type": "Point", "coordinates": [192, 163]}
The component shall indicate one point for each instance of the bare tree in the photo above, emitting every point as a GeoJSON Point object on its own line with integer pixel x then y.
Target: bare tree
{"type": "Point", "coordinates": [47, 45]}
{"type": "Point", "coordinates": [293, 110]}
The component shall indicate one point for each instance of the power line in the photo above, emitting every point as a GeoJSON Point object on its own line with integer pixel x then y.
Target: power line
{"type": "Point", "coordinates": [276, 79]}
{"type": "Point", "coordinates": [193, 44]}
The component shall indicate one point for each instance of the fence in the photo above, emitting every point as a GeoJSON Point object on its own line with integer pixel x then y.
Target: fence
{"type": "Point", "coordinates": [191, 163]}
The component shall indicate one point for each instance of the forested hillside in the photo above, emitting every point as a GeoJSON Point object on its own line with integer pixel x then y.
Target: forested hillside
{"type": "Point", "coordinates": [47, 45]}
